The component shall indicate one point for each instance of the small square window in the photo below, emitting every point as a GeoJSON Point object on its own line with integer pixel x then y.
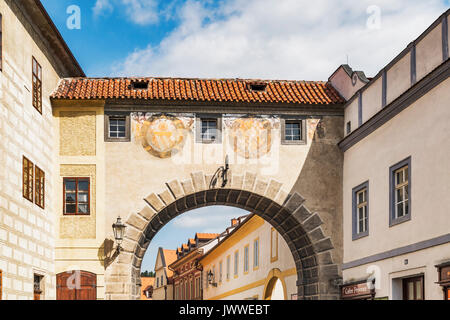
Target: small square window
{"type": "Point", "coordinates": [117, 128]}
{"type": "Point", "coordinates": [208, 129]}
{"type": "Point", "coordinates": [293, 131]}
{"type": "Point", "coordinates": [349, 127]}
{"type": "Point", "coordinates": [360, 211]}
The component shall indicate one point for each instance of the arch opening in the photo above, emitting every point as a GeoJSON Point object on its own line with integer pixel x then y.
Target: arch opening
{"type": "Point", "coordinates": [311, 250]}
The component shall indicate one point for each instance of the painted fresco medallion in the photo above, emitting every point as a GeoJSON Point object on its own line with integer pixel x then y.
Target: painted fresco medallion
{"type": "Point", "coordinates": [251, 138]}
{"type": "Point", "coordinates": [163, 136]}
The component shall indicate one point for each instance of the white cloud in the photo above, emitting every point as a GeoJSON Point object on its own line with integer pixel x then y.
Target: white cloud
{"type": "Point", "coordinates": [210, 219]}
{"type": "Point", "coordinates": [102, 6]}
{"type": "Point", "coordinates": [141, 12]}
{"type": "Point", "coordinates": [288, 39]}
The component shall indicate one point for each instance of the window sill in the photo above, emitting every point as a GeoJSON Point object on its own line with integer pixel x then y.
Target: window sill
{"type": "Point", "coordinates": [293, 143]}
{"type": "Point", "coordinates": [399, 220]}
{"type": "Point", "coordinates": [360, 235]}
{"type": "Point", "coordinates": [76, 214]}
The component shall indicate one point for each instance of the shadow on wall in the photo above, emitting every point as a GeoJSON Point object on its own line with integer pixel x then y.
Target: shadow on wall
{"type": "Point", "coordinates": [320, 180]}
{"type": "Point", "coordinates": [107, 253]}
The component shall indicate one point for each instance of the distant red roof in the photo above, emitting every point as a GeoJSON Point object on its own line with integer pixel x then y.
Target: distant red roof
{"type": "Point", "coordinates": [206, 236]}
{"type": "Point", "coordinates": [214, 90]}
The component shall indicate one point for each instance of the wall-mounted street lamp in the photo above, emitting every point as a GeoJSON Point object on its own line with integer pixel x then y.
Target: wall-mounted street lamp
{"type": "Point", "coordinates": [221, 173]}
{"type": "Point", "coordinates": [211, 279]}
{"type": "Point", "coordinates": [119, 230]}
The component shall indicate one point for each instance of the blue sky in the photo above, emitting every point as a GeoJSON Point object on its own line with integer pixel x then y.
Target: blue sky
{"type": "Point", "coordinates": [265, 39]}
{"type": "Point", "coordinates": [282, 39]}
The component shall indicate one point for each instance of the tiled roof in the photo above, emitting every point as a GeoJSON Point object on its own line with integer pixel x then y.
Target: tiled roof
{"type": "Point", "coordinates": [212, 90]}
{"type": "Point", "coordinates": [207, 236]}
{"type": "Point", "coordinates": [146, 282]}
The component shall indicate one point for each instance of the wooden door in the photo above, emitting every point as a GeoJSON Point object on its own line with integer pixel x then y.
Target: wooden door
{"type": "Point", "coordinates": [76, 285]}
{"type": "Point", "coordinates": [413, 288]}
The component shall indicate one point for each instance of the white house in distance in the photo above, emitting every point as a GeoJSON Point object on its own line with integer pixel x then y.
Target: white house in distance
{"type": "Point", "coordinates": [250, 262]}
{"type": "Point", "coordinates": [163, 286]}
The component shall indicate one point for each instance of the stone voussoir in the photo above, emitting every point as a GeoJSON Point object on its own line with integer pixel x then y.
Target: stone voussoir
{"type": "Point", "coordinates": [249, 181]}
{"type": "Point", "coordinates": [155, 202]}
{"type": "Point", "coordinates": [166, 196]}
{"type": "Point", "coordinates": [175, 188]}
{"type": "Point", "coordinates": [198, 179]}
{"type": "Point", "coordinates": [260, 187]}
{"type": "Point", "coordinates": [137, 221]}
{"type": "Point", "coordinates": [188, 186]}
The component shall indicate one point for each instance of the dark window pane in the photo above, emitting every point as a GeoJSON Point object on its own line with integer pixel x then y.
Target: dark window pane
{"type": "Point", "coordinates": [70, 197]}
{"type": "Point", "coordinates": [70, 208]}
{"type": "Point", "coordinates": [70, 185]}
{"type": "Point", "coordinates": [83, 185]}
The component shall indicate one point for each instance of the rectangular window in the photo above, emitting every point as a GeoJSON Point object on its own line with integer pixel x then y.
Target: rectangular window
{"type": "Point", "coordinates": [37, 85]}
{"type": "Point", "coordinates": [117, 127]}
{"type": "Point", "coordinates": [246, 254]}
{"type": "Point", "coordinates": [76, 196]}
{"type": "Point", "coordinates": [273, 245]}
{"type": "Point", "coordinates": [220, 271]}
{"type": "Point", "coordinates": [293, 131]}
{"type": "Point", "coordinates": [208, 129]}
{"type": "Point", "coordinates": [228, 267]}
{"type": "Point", "coordinates": [37, 287]}
{"type": "Point", "coordinates": [27, 179]}
{"type": "Point", "coordinates": [360, 211]}
{"type": "Point", "coordinates": [39, 187]}
{"type": "Point", "coordinates": [400, 192]}
{"type": "Point", "coordinates": [413, 288]}
{"type": "Point", "coordinates": [256, 254]}
{"type": "Point", "coordinates": [236, 263]}
{"type": "Point", "coordinates": [349, 127]}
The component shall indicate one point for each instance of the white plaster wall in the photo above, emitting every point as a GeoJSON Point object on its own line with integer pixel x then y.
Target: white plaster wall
{"type": "Point", "coordinates": [429, 52]}
{"type": "Point", "coordinates": [422, 132]}
{"type": "Point", "coordinates": [26, 231]}
{"type": "Point", "coordinates": [398, 78]}
{"type": "Point", "coordinates": [390, 272]}
{"type": "Point", "coordinates": [351, 114]}
{"type": "Point", "coordinates": [371, 99]}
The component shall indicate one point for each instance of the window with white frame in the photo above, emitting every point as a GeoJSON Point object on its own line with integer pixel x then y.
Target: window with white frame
{"type": "Point", "coordinates": [360, 211]}
{"type": "Point", "coordinates": [400, 192]}
{"type": "Point", "coordinates": [256, 253]}
{"type": "Point", "coordinates": [246, 254]}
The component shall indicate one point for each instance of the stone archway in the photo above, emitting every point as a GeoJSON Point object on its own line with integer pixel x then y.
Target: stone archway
{"type": "Point", "coordinates": [311, 249]}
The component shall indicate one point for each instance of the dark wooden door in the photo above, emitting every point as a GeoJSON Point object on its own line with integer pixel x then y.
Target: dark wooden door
{"type": "Point", "coordinates": [413, 288]}
{"type": "Point", "coordinates": [76, 285]}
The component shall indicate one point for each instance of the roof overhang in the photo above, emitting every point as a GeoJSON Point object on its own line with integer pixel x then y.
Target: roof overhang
{"type": "Point", "coordinates": [34, 12]}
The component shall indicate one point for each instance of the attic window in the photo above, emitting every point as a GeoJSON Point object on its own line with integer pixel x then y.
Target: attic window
{"type": "Point", "coordinates": [139, 85]}
{"type": "Point", "coordinates": [258, 87]}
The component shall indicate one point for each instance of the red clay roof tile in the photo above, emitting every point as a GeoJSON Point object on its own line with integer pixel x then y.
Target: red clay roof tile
{"type": "Point", "coordinates": [216, 90]}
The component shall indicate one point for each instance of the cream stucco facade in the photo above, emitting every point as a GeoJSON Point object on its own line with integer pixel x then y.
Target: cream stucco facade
{"type": "Point", "coordinates": [412, 124]}
{"type": "Point", "coordinates": [27, 231]}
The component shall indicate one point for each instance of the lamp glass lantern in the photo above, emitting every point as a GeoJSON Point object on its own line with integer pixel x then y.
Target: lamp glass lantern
{"type": "Point", "coordinates": [119, 230]}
